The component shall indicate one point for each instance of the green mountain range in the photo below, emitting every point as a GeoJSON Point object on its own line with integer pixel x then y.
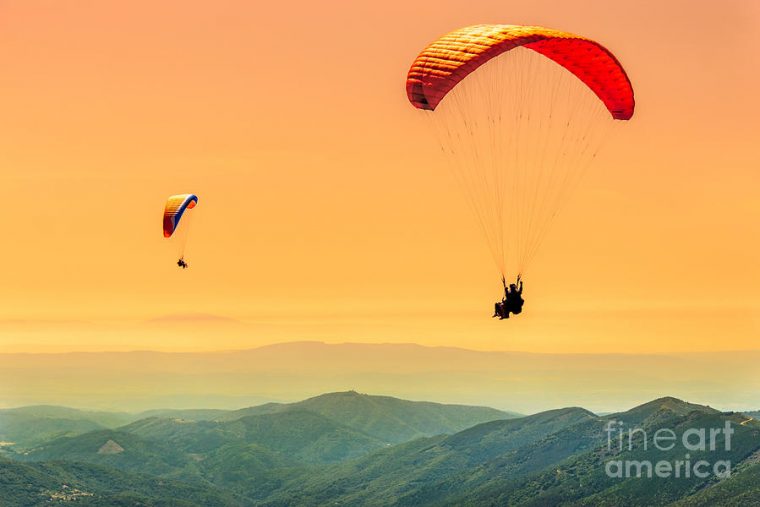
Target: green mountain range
{"type": "Point", "coordinates": [348, 448]}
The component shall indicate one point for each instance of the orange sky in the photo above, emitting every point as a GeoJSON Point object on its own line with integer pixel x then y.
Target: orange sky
{"type": "Point", "coordinates": [324, 212]}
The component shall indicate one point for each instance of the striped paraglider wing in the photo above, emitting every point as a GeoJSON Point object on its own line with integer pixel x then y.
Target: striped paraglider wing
{"type": "Point", "coordinates": [448, 60]}
{"type": "Point", "coordinates": [174, 209]}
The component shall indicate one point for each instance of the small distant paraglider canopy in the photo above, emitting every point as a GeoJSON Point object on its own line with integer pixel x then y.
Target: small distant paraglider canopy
{"type": "Point", "coordinates": [175, 207]}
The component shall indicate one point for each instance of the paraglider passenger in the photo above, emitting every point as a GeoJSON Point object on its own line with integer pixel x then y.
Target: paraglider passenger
{"type": "Point", "coordinates": [499, 310]}
{"type": "Point", "coordinates": [181, 263]}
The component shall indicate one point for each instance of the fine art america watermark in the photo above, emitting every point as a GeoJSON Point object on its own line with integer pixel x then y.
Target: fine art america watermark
{"type": "Point", "coordinates": [665, 440]}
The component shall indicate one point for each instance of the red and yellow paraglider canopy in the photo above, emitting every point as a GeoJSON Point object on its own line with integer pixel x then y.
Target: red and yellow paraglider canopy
{"type": "Point", "coordinates": [448, 60]}
{"type": "Point", "coordinates": [519, 112]}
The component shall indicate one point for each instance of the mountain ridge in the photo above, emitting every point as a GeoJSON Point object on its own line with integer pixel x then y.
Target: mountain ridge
{"type": "Point", "coordinates": [290, 455]}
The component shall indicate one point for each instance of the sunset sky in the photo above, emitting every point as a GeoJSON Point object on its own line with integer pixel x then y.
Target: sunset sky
{"type": "Point", "coordinates": [325, 211]}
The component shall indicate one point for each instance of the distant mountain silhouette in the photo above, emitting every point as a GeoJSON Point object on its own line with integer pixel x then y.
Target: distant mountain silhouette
{"type": "Point", "coordinates": [517, 381]}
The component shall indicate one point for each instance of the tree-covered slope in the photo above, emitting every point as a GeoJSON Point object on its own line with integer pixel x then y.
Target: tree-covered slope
{"type": "Point", "coordinates": [42, 484]}
{"type": "Point", "coordinates": [553, 458]}
{"type": "Point", "coordinates": [26, 427]}
{"type": "Point", "coordinates": [390, 419]}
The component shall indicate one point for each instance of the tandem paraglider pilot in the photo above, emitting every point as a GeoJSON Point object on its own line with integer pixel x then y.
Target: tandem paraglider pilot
{"type": "Point", "coordinates": [512, 302]}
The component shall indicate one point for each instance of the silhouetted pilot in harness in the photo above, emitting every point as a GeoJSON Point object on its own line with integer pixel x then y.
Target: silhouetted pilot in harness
{"type": "Point", "coordinates": [512, 300]}
{"type": "Point", "coordinates": [181, 263]}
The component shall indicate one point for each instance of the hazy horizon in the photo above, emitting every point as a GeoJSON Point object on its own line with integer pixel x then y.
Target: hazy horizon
{"type": "Point", "coordinates": [524, 382]}
{"type": "Point", "coordinates": [358, 393]}
{"type": "Point", "coordinates": [350, 342]}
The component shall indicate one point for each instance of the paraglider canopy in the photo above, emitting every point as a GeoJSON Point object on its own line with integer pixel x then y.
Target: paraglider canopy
{"type": "Point", "coordinates": [519, 112]}
{"type": "Point", "coordinates": [448, 60]}
{"type": "Point", "coordinates": [175, 207]}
